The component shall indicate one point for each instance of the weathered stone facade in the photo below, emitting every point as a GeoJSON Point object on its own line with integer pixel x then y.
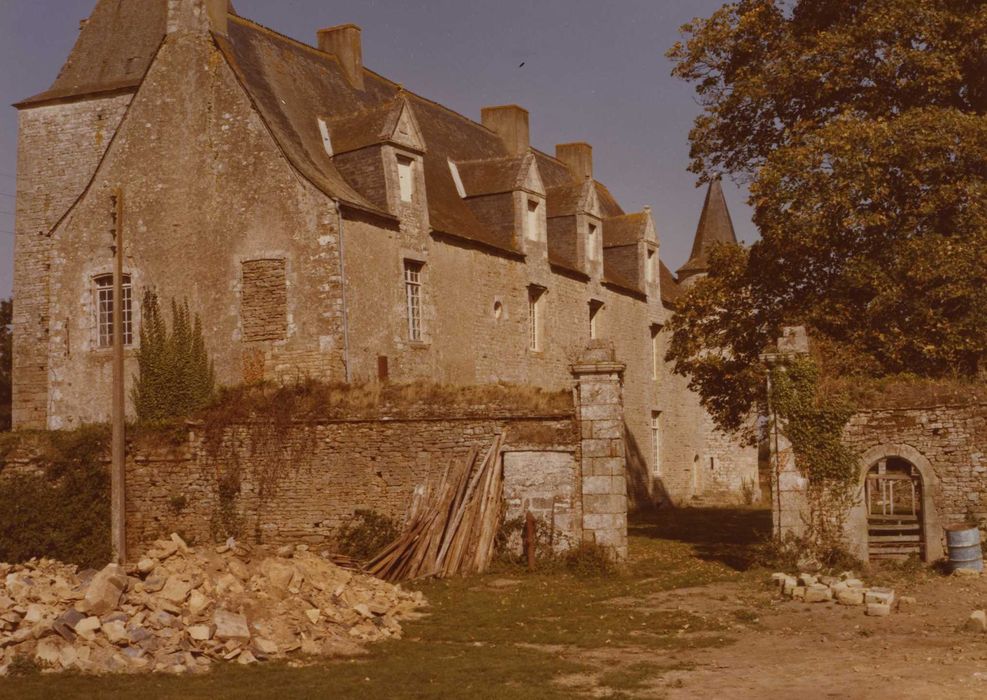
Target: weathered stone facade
{"type": "Point", "coordinates": [301, 481]}
{"type": "Point", "coordinates": [948, 446]}
{"type": "Point", "coordinates": [286, 193]}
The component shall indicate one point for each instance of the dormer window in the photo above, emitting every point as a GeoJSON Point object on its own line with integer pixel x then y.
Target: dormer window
{"type": "Point", "coordinates": [533, 223]}
{"type": "Point", "coordinates": [406, 178]}
{"type": "Point", "coordinates": [592, 238]}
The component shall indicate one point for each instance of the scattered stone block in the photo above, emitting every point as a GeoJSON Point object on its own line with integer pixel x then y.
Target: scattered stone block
{"type": "Point", "coordinates": [105, 590]}
{"type": "Point", "coordinates": [818, 593]}
{"type": "Point", "coordinates": [48, 653]}
{"type": "Point", "coordinates": [116, 633]}
{"type": "Point", "coordinates": [798, 593]}
{"type": "Point", "coordinates": [230, 625]}
{"type": "Point", "coordinates": [806, 579]}
{"type": "Point", "coordinates": [88, 627]}
{"type": "Point", "coordinates": [884, 596]}
{"type": "Point", "coordinates": [146, 565]}
{"type": "Point", "coordinates": [850, 596]}
{"type": "Point", "coordinates": [265, 647]}
{"type": "Point", "coordinates": [878, 609]}
{"type": "Point", "coordinates": [970, 573]}
{"type": "Point", "coordinates": [200, 633]}
{"type": "Point", "coordinates": [977, 622]}
{"type": "Point", "coordinates": [176, 590]}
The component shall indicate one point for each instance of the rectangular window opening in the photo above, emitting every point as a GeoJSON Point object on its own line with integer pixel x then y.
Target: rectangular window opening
{"type": "Point", "coordinates": [595, 312]}
{"type": "Point", "coordinates": [536, 297]}
{"type": "Point", "coordinates": [656, 355]}
{"type": "Point", "coordinates": [649, 270]}
{"type": "Point", "coordinates": [104, 311]}
{"type": "Point", "coordinates": [413, 296]}
{"type": "Point", "coordinates": [534, 220]}
{"type": "Point", "coordinates": [406, 178]}
{"type": "Point", "coordinates": [656, 441]}
{"type": "Point", "coordinates": [591, 244]}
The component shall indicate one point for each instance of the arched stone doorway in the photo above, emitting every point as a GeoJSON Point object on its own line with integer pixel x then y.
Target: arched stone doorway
{"type": "Point", "coordinates": [895, 513]}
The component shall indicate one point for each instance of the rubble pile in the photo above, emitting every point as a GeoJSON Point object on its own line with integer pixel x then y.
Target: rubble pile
{"type": "Point", "coordinates": [180, 610]}
{"type": "Point", "coordinates": [845, 589]}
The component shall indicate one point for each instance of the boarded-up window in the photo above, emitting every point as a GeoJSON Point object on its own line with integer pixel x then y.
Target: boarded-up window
{"type": "Point", "coordinates": [264, 300]}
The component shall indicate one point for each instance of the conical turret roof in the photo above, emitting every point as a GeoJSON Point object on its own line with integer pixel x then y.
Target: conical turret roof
{"type": "Point", "coordinates": [714, 227]}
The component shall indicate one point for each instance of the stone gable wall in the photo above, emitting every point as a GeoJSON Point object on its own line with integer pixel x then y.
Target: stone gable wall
{"type": "Point", "coordinates": [58, 149]}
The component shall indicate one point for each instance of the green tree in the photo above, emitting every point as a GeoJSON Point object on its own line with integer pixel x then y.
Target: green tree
{"type": "Point", "coordinates": [176, 376]}
{"type": "Point", "coordinates": [859, 126]}
{"type": "Point", "coordinates": [6, 362]}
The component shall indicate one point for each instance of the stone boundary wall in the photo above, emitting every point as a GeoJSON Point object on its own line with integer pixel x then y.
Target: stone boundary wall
{"type": "Point", "coordinates": [301, 482]}
{"type": "Point", "coordinates": [952, 438]}
{"type": "Point", "coordinates": [946, 443]}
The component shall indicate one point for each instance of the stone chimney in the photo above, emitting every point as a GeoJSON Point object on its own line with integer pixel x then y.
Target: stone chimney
{"type": "Point", "coordinates": [198, 16]}
{"type": "Point", "coordinates": [579, 159]}
{"type": "Point", "coordinates": [510, 123]}
{"type": "Point", "coordinates": [344, 43]}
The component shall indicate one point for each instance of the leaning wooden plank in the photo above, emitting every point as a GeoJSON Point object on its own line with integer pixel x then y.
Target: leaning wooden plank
{"type": "Point", "coordinates": [467, 485]}
{"type": "Point", "coordinates": [494, 513]}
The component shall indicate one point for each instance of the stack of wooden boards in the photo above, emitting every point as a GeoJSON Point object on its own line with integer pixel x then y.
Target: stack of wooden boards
{"type": "Point", "coordinates": [451, 525]}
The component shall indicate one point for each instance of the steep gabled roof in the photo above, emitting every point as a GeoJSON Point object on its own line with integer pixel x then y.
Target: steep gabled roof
{"type": "Point", "coordinates": [293, 85]}
{"type": "Point", "coordinates": [498, 175]}
{"type": "Point", "coordinates": [628, 229]}
{"type": "Point", "coordinates": [714, 227]}
{"type": "Point", "coordinates": [114, 49]}
{"type": "Point", "coordinates": [379, 124]}
{"type": "Point", "coordinates": [573, 198]}
{"type": "Point", "coordinates": [670, 289]}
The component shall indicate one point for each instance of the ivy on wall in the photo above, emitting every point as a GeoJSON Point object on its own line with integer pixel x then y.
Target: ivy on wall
{"type": "Point", "coordinates": [813, 421]}
{"type": "Point", "coordinates": [65, 512]}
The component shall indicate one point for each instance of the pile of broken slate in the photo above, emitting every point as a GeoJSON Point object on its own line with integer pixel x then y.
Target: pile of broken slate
{"type": "Point", "coordinates": [845, 589]}
{"type": "Point", "coordinates": [181, 610]}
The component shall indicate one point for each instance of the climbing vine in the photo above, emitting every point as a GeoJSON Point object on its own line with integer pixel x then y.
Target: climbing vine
{"type": "Point", "coordinates": [813, 421]}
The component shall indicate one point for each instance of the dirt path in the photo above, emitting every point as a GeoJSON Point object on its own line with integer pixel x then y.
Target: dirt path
{"type": "Point", "coordinates": [785, 649]}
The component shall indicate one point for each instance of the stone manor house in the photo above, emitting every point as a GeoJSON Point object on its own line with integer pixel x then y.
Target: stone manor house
{"type": "Point", "coordinates": [326, 222]}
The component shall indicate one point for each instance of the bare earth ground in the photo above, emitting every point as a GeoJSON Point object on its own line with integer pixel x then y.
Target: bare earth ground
{"type": "Point", "coordinates": [689, 618]}
{"type": "Point", "coordinates": [821, 650]}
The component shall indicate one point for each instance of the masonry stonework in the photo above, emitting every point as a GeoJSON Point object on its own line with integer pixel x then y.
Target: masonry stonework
{"type": "Point", "coordinates": [227, 165]}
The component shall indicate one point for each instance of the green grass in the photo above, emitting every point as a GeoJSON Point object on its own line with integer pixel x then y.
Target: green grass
{"type": "Point", "coordinates": [482, 641]}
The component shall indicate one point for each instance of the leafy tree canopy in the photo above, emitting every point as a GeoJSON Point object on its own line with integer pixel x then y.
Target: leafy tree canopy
{"type": "Point", "coordinates": [859, 126]}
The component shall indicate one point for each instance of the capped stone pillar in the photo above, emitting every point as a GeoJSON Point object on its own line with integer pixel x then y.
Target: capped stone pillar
{"type": "Point", "coordinates": [789, 488]}
{"type": "Point", "coordinates": [599, 403]}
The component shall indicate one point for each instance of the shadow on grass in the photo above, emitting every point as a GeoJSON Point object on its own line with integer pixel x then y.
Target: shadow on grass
{"type": "Point", "coordinates": [722, 534]}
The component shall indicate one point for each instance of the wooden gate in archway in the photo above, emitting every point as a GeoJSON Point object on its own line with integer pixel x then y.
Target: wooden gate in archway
{"type": "Point", "coordinates": [893, 493]}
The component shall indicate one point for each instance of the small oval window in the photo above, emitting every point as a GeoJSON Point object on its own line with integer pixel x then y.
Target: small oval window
{"type": "Point", "coordinates": [498, 310]}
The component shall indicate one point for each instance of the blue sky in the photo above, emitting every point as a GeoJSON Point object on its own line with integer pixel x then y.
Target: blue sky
{"type": "Point", "coordinates": [593, 71]}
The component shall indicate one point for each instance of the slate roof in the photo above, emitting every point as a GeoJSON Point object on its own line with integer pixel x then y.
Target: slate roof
{"type": "Point", "coordinates": [625, 230]}
{"type": "Point", "coordinates": [364, 128]}
{"type": "Point", "coordinates": [113, 51]}
{"type": "Point", "coordinates": [714, 227]}
{"type": "Point", "coordinates": [671, 292]}
{"type": "Point", "coordinates": [491, 176]}
{"type": "Point", "coordinates": [292, 85]}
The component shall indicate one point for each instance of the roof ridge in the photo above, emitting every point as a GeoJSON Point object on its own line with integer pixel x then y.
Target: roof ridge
{"type": "Point", "coordinates": [384, 79]}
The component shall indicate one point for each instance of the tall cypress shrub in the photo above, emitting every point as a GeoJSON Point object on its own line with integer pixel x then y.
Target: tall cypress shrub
{"type": "Point", "coordinates": [175, 375]}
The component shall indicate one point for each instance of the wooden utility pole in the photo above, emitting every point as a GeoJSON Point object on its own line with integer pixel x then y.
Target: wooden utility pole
{"type": "Point", "coordinates": [118, 515]}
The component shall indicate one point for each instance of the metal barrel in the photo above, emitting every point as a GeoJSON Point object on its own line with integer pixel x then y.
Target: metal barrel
{"type": "Point", "coordinates": [964, 548]}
